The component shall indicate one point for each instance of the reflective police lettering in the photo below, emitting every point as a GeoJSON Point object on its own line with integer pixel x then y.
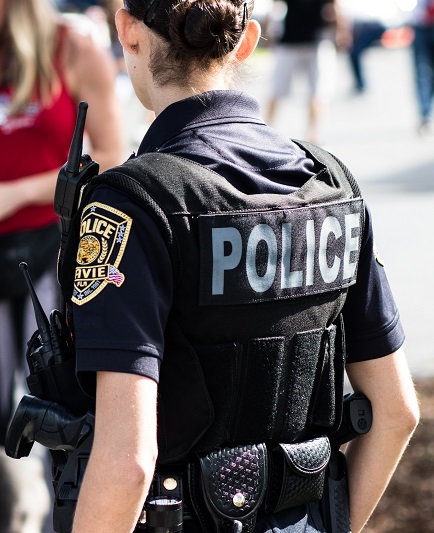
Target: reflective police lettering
{"type": "Point", "coordinates": [222, 262]}
{"type": "Point", "coordinates": [310, 252]}
{"type": "Point", "coordinates": [288, 278]}
{"type": "Point", "coordinates": [258, 256]}
{"type": "Point", "coordinates": [351, 244]}
{"type": "Point", "coordinates": [330, 225]}
{"type": "Point", "coordinates": [259, 283]}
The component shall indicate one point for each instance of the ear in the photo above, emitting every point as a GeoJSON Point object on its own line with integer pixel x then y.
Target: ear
{"type": "Point", "coordinates": [127, 27]}
{"type": "Point", "coordinates": [249, 40]}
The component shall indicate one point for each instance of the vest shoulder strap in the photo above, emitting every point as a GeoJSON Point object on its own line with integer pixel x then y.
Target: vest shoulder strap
{"type": "Point", "coordinates": [141, 177]}
{"type": "Point", "coordinates": [334, 164]}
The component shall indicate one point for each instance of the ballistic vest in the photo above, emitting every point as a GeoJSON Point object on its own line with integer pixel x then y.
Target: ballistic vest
{"type": "Point", "coordinates": [254, 344]}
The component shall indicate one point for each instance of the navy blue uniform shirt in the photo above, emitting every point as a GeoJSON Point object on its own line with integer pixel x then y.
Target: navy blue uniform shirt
{"type": "Point", "coordinates": [122, 327]}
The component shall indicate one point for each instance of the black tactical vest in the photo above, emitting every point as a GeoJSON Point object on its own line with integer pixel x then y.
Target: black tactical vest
{"type": "Point", "coordinates": [254, 345]}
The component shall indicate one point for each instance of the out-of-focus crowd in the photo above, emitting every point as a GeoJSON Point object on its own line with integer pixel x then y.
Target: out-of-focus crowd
{"type": "Point", "coordinates": [351, 28]}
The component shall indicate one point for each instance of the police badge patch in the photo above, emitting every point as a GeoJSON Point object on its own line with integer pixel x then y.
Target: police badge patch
{"type": "Point", "coordinates": [104, 234]}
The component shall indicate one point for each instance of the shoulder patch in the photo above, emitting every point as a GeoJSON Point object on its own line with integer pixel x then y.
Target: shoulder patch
{"type": "Point", "coordinates": [104, 233]}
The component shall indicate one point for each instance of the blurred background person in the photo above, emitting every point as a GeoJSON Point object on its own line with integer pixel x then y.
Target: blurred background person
{"type": "Point", "coordinates": [422, 22]}
{"type": "Point", "coordinates": [367, 26]}
{"type": "Point", "coordinates": [78, 6]}
{"type": "Point", "coordinates": [368, 22]}
{"type": "Point", "coordinates": [110, 7]}
{"type": "Point", "coordinates": [46, 68]}
{"type": "Point", "coordinates": [136, 118]}
{"type": "Point", "coordinates": [25, 499]}
{"type": "Point", "coordinates": [304, 42]}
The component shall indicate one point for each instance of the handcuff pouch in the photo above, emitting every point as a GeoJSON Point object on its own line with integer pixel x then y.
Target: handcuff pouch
{"type": "Point", "coordinates": [297, 473]}
{"type": "Point", "coordinates": [228, 485]}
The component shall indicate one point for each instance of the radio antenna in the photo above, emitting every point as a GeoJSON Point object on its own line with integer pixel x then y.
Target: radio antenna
{"type": "Point", "coordinates": [41, 317]}
{"type": "Point", "coordinates": [73, 164]}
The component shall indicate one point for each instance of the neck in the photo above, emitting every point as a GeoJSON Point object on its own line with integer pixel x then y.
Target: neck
{"type": "Point", "coordinates": [162, 97]}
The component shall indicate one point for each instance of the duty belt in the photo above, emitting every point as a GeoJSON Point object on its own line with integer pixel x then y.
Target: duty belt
{"type": "Point", "coordinates": [227, 487]}
{"type": "Point", "coordinates": [230, 485]}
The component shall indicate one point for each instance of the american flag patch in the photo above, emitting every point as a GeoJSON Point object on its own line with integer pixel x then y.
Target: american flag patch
{"type": "Point", "coordinates": [115, 276]}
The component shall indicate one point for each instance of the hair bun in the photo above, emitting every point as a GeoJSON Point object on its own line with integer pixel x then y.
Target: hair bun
{"type": "Point", "coordinates": [204, 28]}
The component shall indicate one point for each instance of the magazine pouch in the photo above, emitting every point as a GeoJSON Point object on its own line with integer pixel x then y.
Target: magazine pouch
{"type": "Point", "coordinates": [227, 487]}
{"type": "Point", "coordinates": [297, 473]}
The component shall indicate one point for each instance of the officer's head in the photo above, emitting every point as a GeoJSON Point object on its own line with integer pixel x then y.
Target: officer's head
{"type": "Point", "coordinates": [188, 40]}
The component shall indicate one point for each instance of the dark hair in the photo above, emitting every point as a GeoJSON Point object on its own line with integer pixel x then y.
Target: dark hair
{"type": "Point", "coordinates": [196, 33]}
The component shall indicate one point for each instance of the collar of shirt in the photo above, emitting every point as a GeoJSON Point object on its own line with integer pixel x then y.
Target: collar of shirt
{"type": "Point", "coordinates": [203, 109]}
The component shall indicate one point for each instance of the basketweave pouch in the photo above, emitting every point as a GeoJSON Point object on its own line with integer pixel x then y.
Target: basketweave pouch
{"type": "Point", "coordinates": [228, 485]}
{"type": "Point", "coordinates": [297, 473]}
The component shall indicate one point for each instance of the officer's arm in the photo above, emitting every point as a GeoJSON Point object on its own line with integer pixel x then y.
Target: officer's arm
{"type": "Point", "coordinates": [124, 452]}
{"type": "Point", "coordinates": [372, 458]}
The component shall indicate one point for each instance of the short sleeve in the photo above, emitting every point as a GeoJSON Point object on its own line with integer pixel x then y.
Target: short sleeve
{"type": "Point", "coordinates": [120, 325]}
{"type": "Point", "coordinates": [372, 325]}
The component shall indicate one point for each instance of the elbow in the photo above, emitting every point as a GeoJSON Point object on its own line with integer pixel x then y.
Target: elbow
{"type": "Point", "coordinates": [405, 421]}
{"type": "Point", "coordinates": [410, 414]}
{"type": "Point", "coordinates": [141, 472]}
{"type": "Point", "coordinates": [134, 472]}
{"type": "Point", "coordinates": [149, 468]}
{"type": "Point", "coordinates": [138, 476]}
{"type": "Point", "coordinates": [413, 419]}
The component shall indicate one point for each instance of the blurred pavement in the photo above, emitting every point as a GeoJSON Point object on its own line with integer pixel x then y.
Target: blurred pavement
{"type": "Point", "coordinates": [375, 135]}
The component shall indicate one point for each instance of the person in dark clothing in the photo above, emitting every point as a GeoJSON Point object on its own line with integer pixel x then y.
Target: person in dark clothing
{"type": "Point", "coordinates": [422, 23]}
{"type": "Point", "coordinates": [365, 33]}
{"type": "Point", "coordinates": [231, 256]}
{"type": "Point", "coordinates": [306, 45]}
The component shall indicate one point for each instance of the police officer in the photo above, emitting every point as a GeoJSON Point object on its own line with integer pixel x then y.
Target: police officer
{"type": "Point", "coordinates": [221, 285]}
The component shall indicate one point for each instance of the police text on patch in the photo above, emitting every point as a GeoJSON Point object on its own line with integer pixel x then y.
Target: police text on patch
{"type": "Point", "coordinates": [259, 256]}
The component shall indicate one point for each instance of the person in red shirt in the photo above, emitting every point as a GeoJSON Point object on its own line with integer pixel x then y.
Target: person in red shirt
{"type": "Point", "coordinates": [46, 67]}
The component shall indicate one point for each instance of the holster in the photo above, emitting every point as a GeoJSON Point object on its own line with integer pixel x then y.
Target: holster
{"type": "Point", "coordinates": [334, 506]}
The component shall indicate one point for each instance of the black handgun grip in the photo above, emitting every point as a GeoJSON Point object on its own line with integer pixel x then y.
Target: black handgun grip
{"type": "Point", "coordinates": [356, 420]}
{"type": "Point", "coordinates": [46, 422]}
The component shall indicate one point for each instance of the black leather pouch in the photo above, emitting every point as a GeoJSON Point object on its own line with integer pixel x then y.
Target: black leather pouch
{"type": "Point", "coordinates": [297, 473]}
{"type": "Point", "coordinates": [228, 485]}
